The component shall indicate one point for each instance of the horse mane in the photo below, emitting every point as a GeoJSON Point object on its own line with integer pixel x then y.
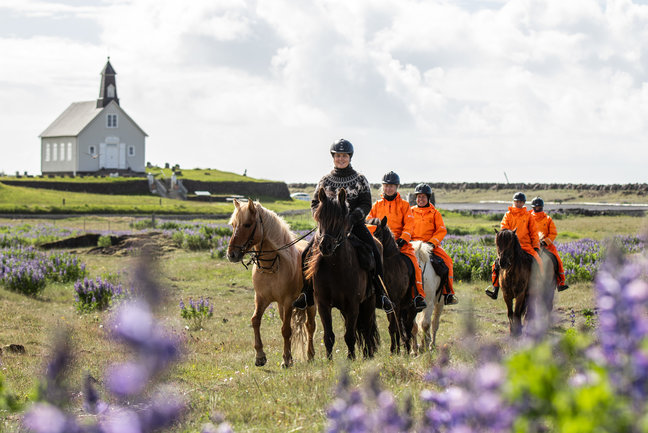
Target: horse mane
{"type": "Point", "coordinates": [386, 234]}
{"type": "Point", "coordinates": [327, 212]}
{"type": "Point", "coordinates": [422, 251]}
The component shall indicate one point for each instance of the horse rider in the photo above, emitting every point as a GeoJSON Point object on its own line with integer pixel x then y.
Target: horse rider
{"type": "Point", "coordinates": [400, 221]}
{"type": "Point", "coordinates": [517, 217]}
{"type": "Point", "coordinates": [358, 193]}
{"type": "Point", "coordinates": [547, 234]}
{"type": "Point", "coordinates": [429, 228]}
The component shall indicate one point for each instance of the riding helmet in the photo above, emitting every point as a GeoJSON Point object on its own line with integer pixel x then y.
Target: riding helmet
{"type": "Point", "coordinates": [537, 202]}
{"type": "Point", "coordinates": [519, 196]}
{"type": "Point", "coordinates": [423, 188]}
{"type": "Point", "coordinates": [342, 146]}
{"type": "Point", "coordinates": [391, 178]}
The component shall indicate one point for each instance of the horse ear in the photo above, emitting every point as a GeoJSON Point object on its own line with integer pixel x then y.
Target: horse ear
{"type": "Point", "coordinates": [251, 206]}
{"type": "Point", "coordinates": [383, 222]}
{"type": "Point", "coordinates": [496, 231]}
{"type": "Point", "coordinates": [237, 205]}
{"type": "Point", "coordinates": [515, 230]}
{"type": "Point", "coordinates": [321, 195]}
{"type": "Point", "coordinates": [342, 196]}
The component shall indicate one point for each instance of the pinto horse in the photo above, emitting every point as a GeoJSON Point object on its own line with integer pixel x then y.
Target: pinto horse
{"type": "Point", "coordinates": [399, 283]}
{"type": "Point", "coordinates": [522, 281]}
{"type": "Point", "coordinates": [276, 275]}
{"type": "Point", "coordinates": [339, 281]}
{"type": "Point", "coordinates": [431, 316]}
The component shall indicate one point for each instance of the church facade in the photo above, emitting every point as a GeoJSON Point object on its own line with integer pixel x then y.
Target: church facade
{"type": "Point", "coordinates": [93, 136]}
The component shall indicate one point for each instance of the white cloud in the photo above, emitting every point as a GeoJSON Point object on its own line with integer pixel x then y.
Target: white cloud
{"type": "Point", "coordinates": [436, 90]}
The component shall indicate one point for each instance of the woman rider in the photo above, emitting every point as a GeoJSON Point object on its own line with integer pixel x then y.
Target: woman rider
{"type": "Point", "coordinates": [359, 202]}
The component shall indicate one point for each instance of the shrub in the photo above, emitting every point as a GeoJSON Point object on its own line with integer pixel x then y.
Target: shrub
{"type": "Point", "coordinates": [104, 241]}
{"type": "Point", "coordinates": [96, 295]}
{"type": "Point", "coordinates": [196, 312]}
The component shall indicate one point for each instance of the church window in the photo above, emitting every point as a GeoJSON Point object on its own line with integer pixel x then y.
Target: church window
{"type": "Point", "coordinates": [111, 91]}
{"type": "Point", "coordinates": [112, 121]}
{"type": "Point", "coordinates": [47, 152]}
{"type": "Point", "coordinates": [131, 150]}
{"type": "Point", "coordinates": [54, 151]}
{"type": "Point", "coordinates": [91, 151]}
{"type": "Point", "coordinates": [69, 152]}
{"type": "Point", "coordinates": [62, 158]}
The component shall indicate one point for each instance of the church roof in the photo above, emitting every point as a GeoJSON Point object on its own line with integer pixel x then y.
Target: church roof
{"type": "Point", "coordinates": [73, 120]}
{"type": "Point", "coordinates": [76, 117]}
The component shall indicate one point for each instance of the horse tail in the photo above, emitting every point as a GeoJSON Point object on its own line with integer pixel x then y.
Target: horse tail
{"type": "Point", "coordinates": [312, 262]}
{"type": "Point", "coordinates": [299, 339]}
{"type": "Point", "coordinates": [367, 335]}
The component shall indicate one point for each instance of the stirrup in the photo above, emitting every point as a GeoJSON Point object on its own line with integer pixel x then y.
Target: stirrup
{"type": "Point", "coordinates": [492, 293]}
{"type": "Point", "coordinates": [300, 303]}
{"type": "Point", "coordinates": [386, 304]}
{"type": "Point", "coordinates": [451, 299]}
{"type": "Point", "coordinates": [419, 303]}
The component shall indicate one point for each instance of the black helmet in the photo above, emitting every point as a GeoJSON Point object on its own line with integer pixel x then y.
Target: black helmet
{"type": "Point", "coordinates": [519, 196]}
{"type": "Point", "coordinates": [423, 188]}
{"type": "Point", "coordinates": [342, 146]}
{"type": "Point", "coordinates": [391, 178]}
{"type": "Point", "coordinates": [537, 202]}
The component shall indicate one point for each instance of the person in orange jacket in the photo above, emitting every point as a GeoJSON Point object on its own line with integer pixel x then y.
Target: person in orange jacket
{"type": "Point", "coordinates": [518, 217]}
{"type": "Point", "coordinates": [547, 233]}
{"type": "Point", "coordinates": [429, 228]}
{"type": "Point", "coordinates": [400, 221]}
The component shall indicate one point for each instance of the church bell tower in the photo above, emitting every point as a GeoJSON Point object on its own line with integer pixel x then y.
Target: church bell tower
{"type": "Point", "coordinates": [108, 88]}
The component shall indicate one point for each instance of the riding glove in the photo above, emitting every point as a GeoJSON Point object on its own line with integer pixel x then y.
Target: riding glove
{"type": "Point", "coordinates": [400, 242]}
{"type": "Point", "coordinates": [356, 216]}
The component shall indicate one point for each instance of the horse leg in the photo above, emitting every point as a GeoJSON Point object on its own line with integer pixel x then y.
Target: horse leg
{"type": "Point", "coordinates": [436, 319]}
{"type": "Point", "coordinates": [393, 335]}
{"type": "Point", "coordinates": [415, 346]}
{"type": "Point", "coordinates": [426, 340]}
{"type": "Point", "coordinates": [260, 305]}
{"type": "Point", "coordinates": [350, 323]}
{"type": "Point", "coordinates": [310, 327]}
{"type": "Point", "coordinates": [285, 312]}
{"type": "Point", "coordinates": [327, 323]}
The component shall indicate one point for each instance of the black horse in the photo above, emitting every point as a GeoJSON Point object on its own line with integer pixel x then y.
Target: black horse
{"type": "Point", "coordinates": [339, 281]}
{"type": "Point", "coordinates": [399, 279]}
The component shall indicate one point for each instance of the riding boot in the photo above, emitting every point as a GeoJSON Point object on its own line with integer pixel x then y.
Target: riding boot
{"type": "Point", "coordinates": [305, 298]}
{"type": "Point", "coordinates": [382, 300]}
{"type": "Point", "coordinates": [492, 293]}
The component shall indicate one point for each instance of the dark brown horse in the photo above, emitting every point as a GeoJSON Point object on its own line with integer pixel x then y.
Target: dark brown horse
{"type": "Point", "coordinates": [338, 280]}
{"type": "Point", "coordinates": [514, 276]}
{"type": "Point", "coordinates": [524, 282]}
{"type": "Point", "coordinates": [399, 281]}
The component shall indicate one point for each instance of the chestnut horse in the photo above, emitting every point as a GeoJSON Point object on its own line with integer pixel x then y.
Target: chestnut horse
{"type": "Point", "coordinates": [276, 275]}
{"type": "Point", "coordinates": [523, 281]}
{"type": "Point", "coordinates": [399, 284]}
{"type": "Point", "coordinates": [338, 279]}
{"type": "Point", "coordinates": [431, 316]}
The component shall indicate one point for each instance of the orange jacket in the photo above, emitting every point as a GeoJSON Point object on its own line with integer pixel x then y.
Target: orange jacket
{"type": "Point", "coordinates": [399, 216]}
{"type": "Point", "coordinates": [428, 225]}
{"type": "Point", "coordinates": [545, 226]}
{"type": "Point", "coordinates": [521, 220]}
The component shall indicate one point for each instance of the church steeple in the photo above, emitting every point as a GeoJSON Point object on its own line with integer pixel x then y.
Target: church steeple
{"type": "Point", "coordinates": [108, 88]}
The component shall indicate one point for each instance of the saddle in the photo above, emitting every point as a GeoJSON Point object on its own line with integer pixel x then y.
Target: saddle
{"type": "Point", "coordinates": [441, 270]}
{"type": "Point", "coordinates": [364, 252]}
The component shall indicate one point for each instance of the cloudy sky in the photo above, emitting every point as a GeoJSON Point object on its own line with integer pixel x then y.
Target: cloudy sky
{"type": "Point", "coordinates": [438, 91]}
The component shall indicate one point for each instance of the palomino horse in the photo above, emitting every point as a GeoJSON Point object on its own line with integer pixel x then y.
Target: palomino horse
{"type": "Point", "coordinates": [276, 276]}
{"type": "Point", "coordinates": [338, 280]}
{"type": "Point", "coordinates": [433, 295]}
{"type": "Point", "coordinates": [522, 281]}
{"type": "Point", "coordinates": [399, 282]}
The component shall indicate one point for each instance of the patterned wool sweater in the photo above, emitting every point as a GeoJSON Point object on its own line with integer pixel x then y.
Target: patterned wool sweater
{"type": "Point", "coordinates": [355, 184]}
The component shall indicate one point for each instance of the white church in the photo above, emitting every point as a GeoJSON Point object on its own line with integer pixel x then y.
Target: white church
{"type": "Point", "coordinates": [94, 136]}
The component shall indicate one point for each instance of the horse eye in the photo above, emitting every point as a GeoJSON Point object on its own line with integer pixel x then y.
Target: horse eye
{"type": "Point", "coordinates": [247, 225]}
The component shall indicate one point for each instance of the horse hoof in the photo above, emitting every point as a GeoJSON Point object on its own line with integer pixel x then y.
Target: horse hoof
{"type": "Point", "coordinates": [285, 364]}
{"type": "Point", "coordinates": [260, 362]}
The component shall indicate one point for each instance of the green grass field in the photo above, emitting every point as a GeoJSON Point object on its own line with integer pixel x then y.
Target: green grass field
{"type": "Point", "coordinates": [217, 372]}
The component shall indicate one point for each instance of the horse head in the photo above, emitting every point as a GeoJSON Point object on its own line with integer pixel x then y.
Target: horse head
{"type": "Point", "coordinates": [332, 224]}
{"type": "Point", "coordinates": [247, 230]}
{"type": "Point", "coordinates": [385, 236]}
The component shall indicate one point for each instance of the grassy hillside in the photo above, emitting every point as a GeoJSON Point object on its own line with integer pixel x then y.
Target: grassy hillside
{"type": "Point", "coordinates": [16, 200]}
